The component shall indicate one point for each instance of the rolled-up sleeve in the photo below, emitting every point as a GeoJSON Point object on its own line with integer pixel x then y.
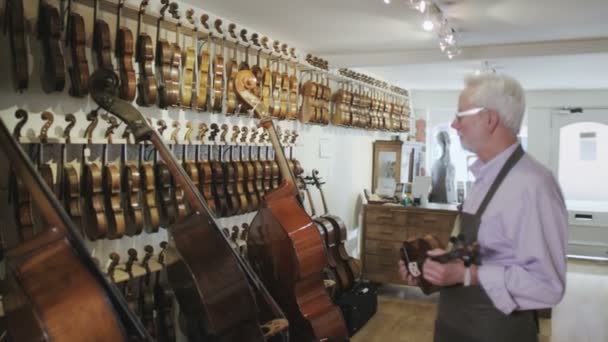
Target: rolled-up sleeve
{"type": "Point", "coordinates": [535, 275]}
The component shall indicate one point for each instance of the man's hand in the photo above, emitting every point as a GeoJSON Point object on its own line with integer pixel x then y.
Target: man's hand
{"type": "Point", "coordinates": [405, 275]}
{"type": "Point", "coordinates": [438, 274]}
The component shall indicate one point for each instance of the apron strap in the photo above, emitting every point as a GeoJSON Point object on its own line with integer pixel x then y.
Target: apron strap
{"type": "Point", "coordinates": [502, 174]}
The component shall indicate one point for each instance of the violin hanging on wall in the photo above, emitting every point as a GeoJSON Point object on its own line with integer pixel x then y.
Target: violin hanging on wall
{"type": "Point", "coordinates": [144, 55]}
{"type": "Point", "coordinates": [76, 41]}
{"type": "Point", "coordinates": [49, 33]}
{"type": "Point", "coordinates": [15, 23]}
{"type": "Point", "coordinates": [124, 56]}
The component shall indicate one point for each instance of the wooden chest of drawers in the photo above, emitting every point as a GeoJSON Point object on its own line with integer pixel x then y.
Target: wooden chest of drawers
{"type": "Point", "coordinates": [386, 227]}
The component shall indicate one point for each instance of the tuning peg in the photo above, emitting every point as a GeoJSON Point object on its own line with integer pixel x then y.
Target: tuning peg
{"type": "Point", "coordinates": [114, 260]}
{"type": "Point", "coordinates": [231, 29]}
{"type": "Point", "coordinates": [161, 255]}
{"type": "Point", "coordinates": [145, 261]}
{"type": "Point", "coordinates": [132, 252]}
{"type": "Point", "coordinates": [204, 21]}
{"type": "Point", "coordinates": [218, 26]}
{"type": "Point", "coordinates": [244, 36]}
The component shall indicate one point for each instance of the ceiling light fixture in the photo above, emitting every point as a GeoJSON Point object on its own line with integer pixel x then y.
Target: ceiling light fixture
{"type": "Point", "coordinates": [387, 1]}
{"type": "Point", "coordinates": [434, 19]}
{"type": "Point", "coordinates": [428, 25]}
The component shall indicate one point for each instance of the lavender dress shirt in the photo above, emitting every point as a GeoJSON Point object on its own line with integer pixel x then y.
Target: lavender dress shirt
{"type": "Point", "coordinates": [523, 234]}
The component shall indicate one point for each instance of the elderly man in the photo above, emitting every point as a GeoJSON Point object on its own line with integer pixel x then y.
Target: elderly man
{"type": "Point", "coordinates": [515, 211]}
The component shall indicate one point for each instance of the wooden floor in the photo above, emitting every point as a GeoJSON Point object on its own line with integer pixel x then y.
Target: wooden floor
{"type": "Point", "coordinates": [406, 315]}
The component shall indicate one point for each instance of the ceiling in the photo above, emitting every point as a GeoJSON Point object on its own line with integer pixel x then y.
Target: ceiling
{"type": "Point", "coordinates": [547, 44]}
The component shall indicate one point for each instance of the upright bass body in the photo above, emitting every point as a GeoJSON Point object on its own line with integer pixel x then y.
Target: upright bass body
{"type": "Point", "coordinates": [285, 247]}
{"type": "Point", "coordinates": [53, 289]}
{"type": "Point", "coordinates": [286, 250]}
{"type": "Point", "coordinates": [211, 292]}
{"type": "Point", "coordinates": [53, 297]}
{"type": "Point", "coordinates": [209, 279]}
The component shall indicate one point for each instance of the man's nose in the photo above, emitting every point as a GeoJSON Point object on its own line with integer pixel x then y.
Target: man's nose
{"type": "Point", "coordinates": [454, 124]}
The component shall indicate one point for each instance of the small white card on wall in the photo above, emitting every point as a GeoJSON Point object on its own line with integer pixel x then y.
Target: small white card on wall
{"type": "Point", "coordinates": [325, 148]}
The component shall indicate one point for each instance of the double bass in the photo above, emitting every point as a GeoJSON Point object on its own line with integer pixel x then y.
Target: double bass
{"type": "Point", "coordinates": [209, 277]}
{"type": "Point", "coordinates": [38, 305]}
{"type": "Point", "coordinates": [286, 248]}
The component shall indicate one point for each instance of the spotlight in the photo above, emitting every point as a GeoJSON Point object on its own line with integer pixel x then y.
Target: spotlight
{"type": "Point", "coordinates": [387, 1]}
{"type": "Point", "coordinates": [428, 25]}
{"type": "Point", "coordinates": [422, 6]}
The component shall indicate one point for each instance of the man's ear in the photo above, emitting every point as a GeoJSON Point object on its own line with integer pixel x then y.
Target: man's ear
{"type": "Point", "coordinates": [493, 120]}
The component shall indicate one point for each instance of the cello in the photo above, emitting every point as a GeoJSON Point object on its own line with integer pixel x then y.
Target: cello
{"type": "Point", "coordinates": [38, 304]}
{"type": "Point", "coordinates": [209, 278]}
{"type": "Point", "coordinates": [286, 248]}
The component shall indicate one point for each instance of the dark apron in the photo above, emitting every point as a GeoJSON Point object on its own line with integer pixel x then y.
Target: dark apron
{"type": "Point", "coordinates": [466, 314]}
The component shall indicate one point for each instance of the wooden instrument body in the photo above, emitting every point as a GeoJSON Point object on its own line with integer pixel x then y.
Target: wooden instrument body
{"type": "Point", "coordinates": [230, 185]}
{"type": "Point", "coordinates": [188, 59]}
{"type": "Point", "coordinates": [206, 184]}
{"type": "Point", "coordinates": [23, 208]}
{"type": "Point", "coordinates": [218, 283]}
{"type": "Point", "coordinates": [19, 60]}
{"type": "Point", "coordinates": [94, 204]}
{"type": "Point", "coordinates": [50, 284]}
{"type": "Point", "coordinates": [249, 184]}
{"type": "Point", "coordinates": [113, 204]}
{"type": "Point", "coordinates": [102, 44]}
{"type": "Point", "coordinates": [353, 267]}
{"type": "Point", "coordinates": [79, 70]}
{"type": "Point", "coordinates": [164, 57]}
{"type": "Point", "coordinates": [202, 95]}
{"type": "Point", "coordinates": [293, 97]}
{"type": "Point", "coordinates": [285, 95]}
{"type": "Point", "coordinates": [414, 254]}
{"type": "Point", "coordinates": [172, 85]}
{"type": "Point", "coordinates": [231, 101]}
{"type": "Point", "coordinates": [49, 32]}
{"type": "Point", "coordinates": [54, 290]}
{"type": "Point", "coordinates": [275, 110]}
{"type": "Point", "coordinates": [218, 80]}
{"type": "Point", "coordinates": [286, 249]}
{"type": "Point", "coordinates": [219, 188]}
{"type": "Point", "coordinates": [131, 185]}
{"type": "Point", "coordinates": [285, 246]}
{"type": "Point", "coordinates": [144, 55]}
{"type": "Point", "coordinates": [150, 206]}
{"type": "Point", "coordinates": [341, 113]}
{"type": "Point", "coordinates": [329, 235]}
{"type": "Point", "coordinates": [259, 178]}
{"type": "Point", "coordinates": [308, 109]}
{"type": "Point", "coordinates": [265, 91]}
{"type": "Point", "coordinates": [181, 207]}
{"type": "Point", "coordinates": [165, 193]}
{"type": "Point", "coordinates": [124, 52]}
{"type": "Point", "coordinates": [239, 187]}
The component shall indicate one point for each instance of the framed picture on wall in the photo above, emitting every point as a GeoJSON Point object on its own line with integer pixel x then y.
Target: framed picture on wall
{"type": "Point", "coordinates": [386, 167]}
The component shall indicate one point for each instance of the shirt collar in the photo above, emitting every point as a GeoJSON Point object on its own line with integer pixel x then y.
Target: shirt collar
{"type": "Point", "coordinates": [479, 169]}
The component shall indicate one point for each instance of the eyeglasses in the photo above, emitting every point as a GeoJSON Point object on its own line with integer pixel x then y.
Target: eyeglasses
{"type": "Point", "coordinates": [469, 112]}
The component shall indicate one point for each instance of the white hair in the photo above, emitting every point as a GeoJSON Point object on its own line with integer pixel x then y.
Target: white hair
{"type": "Point", "coordinates": [501, 93]}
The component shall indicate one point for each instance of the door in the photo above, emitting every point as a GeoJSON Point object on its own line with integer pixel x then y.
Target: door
{"type": "Point", "coordinates": [579, 158]}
